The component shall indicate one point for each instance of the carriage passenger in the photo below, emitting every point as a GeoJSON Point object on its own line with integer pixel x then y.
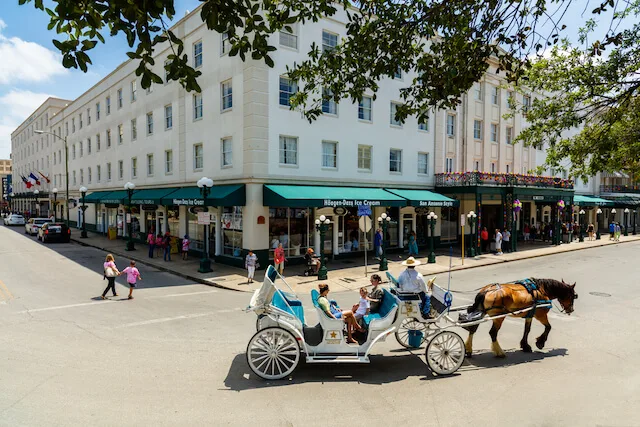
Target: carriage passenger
{"type": "Point", "coordinates": [376, 294]}
{"type": "Point", "coordinates": [334, 312]}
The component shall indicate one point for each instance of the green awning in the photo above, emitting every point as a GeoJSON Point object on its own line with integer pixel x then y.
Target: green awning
{"type": "Point", "coordinates": [307, 196]}
{"type": "Point", "coordinates": [424, 198]}
{"type": "Point", "coordinates": [151, 196]}
{"type": "Point", "coordinates": [625, 202]}
{"type": "Point", "coordinates": [114, 198]}
{"type": "Point", "coordinates": [96, 196]}
{"type": "Point", "coordinates": [221, 195]}
{"type": "Point", "coordinates": [581, 200]}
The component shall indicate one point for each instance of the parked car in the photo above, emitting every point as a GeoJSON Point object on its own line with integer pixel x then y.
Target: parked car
{"type": "Point", "coordinates": [32, 226]}
{"type": "Point", "coordinates": [54, 231]}
{"type": "Point", "coordinates": [14, 219]}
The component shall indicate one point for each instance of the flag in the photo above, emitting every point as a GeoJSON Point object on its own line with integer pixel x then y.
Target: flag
{"type": "Point", "coordinates": [34, 179]}
{"type": "Point", "coordinates": [45, 177]}
{"type": "Point", "coordinates": [26, 182]}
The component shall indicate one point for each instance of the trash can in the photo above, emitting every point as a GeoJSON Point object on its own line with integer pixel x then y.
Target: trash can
{"type": "Point", "coordinates": [415, 338]}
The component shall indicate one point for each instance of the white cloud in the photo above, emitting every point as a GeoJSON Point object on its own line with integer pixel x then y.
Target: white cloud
{"type": "Point", "coordinates": [24, 61]}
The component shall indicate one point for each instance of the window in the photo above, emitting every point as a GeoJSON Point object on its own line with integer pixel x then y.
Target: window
{"type": "Point", "coordinates": [108, 138]}
{"type": "Point", "coordinates": [168, 162]}
{"type": "Point", "coordinates": [398, 74]}
{"type": "Point", "coordinates": [510, 98]}
{"type": "Point", "coordinates": [119, 98]}
{"type": "Point", "coordinates": [88, 175]}
{"type": "Point", "coordinates": [80, 120]}
{"type": "Point", "coordinates": [150, 164]}
{"type": "Point", "coordinates": [477, 129]}
{"type": "Point", "coordinates": [493, 168]}
{"type": "Point", "coordinates": [288, 150]}
{"type": "Point", "coordinates": [494, 132]}
{"type": "Point", "coordinates": [197, 106]}
{"type": "Point", "coordinates": [329, 106]}
{"type": "Point", "coordinates": [424, 124]}
{"type": "Point", "coordinates": [451, 125]}
{"type": "Point", "coordinates": [329, 154]}
{"type": "Point", "coordinates": [287, 89]}
{"type": "Point", "coordinates": [73, 125]}
{"type": "Point", "coordinates": [108, 171]}
{"type": "Point", "coordinates": [477, 168]}
{"type": "Point", "coordinates": [134, 91]}
{"type": "Point", "coordinates": [392, 115]}
{"type": "Point", "coordinates": [509, 135]}
{"type": "Point", "coordinates": [364, 157]}
{"type": "Point", "coordinates": [149, 123]}
{"type": "Point", "coordinates": [120, 134]}
{"type": "Point", "coordinates": [224, 43]}
{"type": "Point", "coordinates": [168, 116]}
{"type": "Point", "coordinates": [88, 146]}
{"type": "Point", "coordinates": [508, 169]}
{"type": "Point", "coordinates": [197, 54]}
{"type": "Point", "coordinates": [395, 160]}
{"type": "Point", "coordinates": [197, 156]}
{"type": "Point", "coordinates": [97, 111]}
{"type": "Point", "coordinates": [74, 178]}
{"type": "Point", "coordinates": [88, 116]}
{"type": "Point", "coordinates": [66, 125]}
{"type": "Point", "coordinates": [54, 158]}
{"type": "Point", "coordinates": [108, 104]}
{"type": "Point", "coordinates": [120, 169]}
{"type": "Point", "coordinates": [526, 104]}
{"type": "Point", "coordinates": [449, 165]}
{"type": "Point", "coordinates": [495, 95]}
{"type": "Point", "coordinates": [289, 39]}
{"type": "Point", "coordinates": [98, 173]}
{"type": "Point", "coordinates": [134, 129]}
{"type": "Point", "coordinates": [73, 151]}
{"type": "Point", "coordinates": [227, 95]}
{"type": "Point", "coordinates": [227, 151]}
{"type": "Point", "coordinates": [477, 91]}
{"type": "Point", "coordinates": [423, 163]}
{"type": "Point", "coordinates": [365, 107]}
{"type": "Point", "coordinates": [98, 142]}
{"type": "Point", "coordinates": [167, 63]}
{"type": "Point", "coordinates": [329, 41]}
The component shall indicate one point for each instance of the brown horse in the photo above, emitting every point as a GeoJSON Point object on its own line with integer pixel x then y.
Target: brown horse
{"type": "Point", "coordinates": [497, 299]}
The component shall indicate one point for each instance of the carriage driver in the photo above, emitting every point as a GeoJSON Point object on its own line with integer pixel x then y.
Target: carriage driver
{"type": "Point", "coordinates": [411, 281]}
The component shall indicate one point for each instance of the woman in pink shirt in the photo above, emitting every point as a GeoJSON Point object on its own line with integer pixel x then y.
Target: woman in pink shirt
{"type": "Point", "coordinates": [278, 259]}
{"type": "Point", "coordinates": [132, 274]}
{"type": "Point", "coordinates": [110, 273]}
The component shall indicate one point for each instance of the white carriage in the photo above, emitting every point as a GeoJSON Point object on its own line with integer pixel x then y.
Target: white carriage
{"type": "Point", "coordinates": [283, 336]}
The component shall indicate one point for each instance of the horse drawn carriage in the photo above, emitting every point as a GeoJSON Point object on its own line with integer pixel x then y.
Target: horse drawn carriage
{"type": "Point", "coordinates": [283, 336]}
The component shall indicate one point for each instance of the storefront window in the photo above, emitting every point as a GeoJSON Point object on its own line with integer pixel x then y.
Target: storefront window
{"type": "Point", "coordinates": [291, 227]}
{"type": "Point", "coordinates": [232, 231]}
{"type": "Point", "coordinates": [135, 222]}
{"type": "Point", "coordinates": [391, 239]}
{"type": "Point", "coordinates": [173, 220]}
{"type": "Point", "coordinates": [350, 237]}
{"type": "Point", "coordinates": [195, 231]}
{"type": "Point", "coordinates": [150, 222]}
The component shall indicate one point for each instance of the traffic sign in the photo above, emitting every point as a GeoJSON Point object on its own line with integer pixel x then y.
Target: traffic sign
{"type": "Point", "coordinates": [365, 224]}
{"type": "Point", "coordinates": [364, 210]}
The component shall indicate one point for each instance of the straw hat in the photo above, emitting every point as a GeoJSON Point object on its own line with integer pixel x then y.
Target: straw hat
{"type": "Point", "coordinates": [411, 262]}
{"type": "Point", "coordinates": [431, 282]}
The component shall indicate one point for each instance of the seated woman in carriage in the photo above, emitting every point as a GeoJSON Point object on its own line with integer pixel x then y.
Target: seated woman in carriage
{"type": "Point", "coordinates": [333, 311]}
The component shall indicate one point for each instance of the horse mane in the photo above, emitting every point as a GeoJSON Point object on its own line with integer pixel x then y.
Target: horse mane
{"type": "Point", "coordinates": [554, 288]}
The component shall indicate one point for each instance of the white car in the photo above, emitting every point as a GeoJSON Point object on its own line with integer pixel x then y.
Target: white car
{"type": "Point", "coordinates": [33, 225]}
{"type": "Point", "coordinates": [14, 219]}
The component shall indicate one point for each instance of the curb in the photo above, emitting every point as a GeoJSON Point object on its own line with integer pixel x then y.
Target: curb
{"type": "Point", "coordinates": [161, 268]}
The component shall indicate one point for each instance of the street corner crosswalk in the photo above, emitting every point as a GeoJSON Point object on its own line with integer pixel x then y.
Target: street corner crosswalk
{"type": "Point", "coordinates": [5, 293]}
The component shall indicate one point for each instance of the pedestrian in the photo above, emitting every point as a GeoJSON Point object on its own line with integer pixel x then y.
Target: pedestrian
{"type": "Point", "coordinates": [498, 242]}
{"type": "Point", "coordinates": [151, 240]}
{"type": "Point", "coordinates": [250, 263]}
{"type": "Point", "coordinates": [278, 259]}
{"type": "Point", "coordinates": [413, 244]}
{"type": "Point", "coordinates": [132, 274]}
{"type": "Point", "coordinates": [484, 239]}
{"type": "Point", "coordinates": [612, 230]}
{"type": "Point", "coordinates": [506, 238]}
{"type": "Point", "coordinates": [166, 244]}
{"type": "Point", "coordinates": [185, 247]}
{"type": "Point", "coordinates": [527, 232]}
{"type": "Point", "coordinates": [110, 272]}
{"type": "Point", "coordinates": [377, 244]}
{"type": "Point", "coordinates": [158, 244]}
{"type": "Point", "coordinates": [590, 229]}
{"type": "Point", "coordinates": [617, 232]}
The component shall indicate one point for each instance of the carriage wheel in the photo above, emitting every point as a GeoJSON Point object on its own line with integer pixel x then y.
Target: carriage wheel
{"type": "Point", "coordinates": [445, 353]}
{"type": "Point", "coordinates": [273, 353]}
{"type": "Point", "coordinates": [410, 324]}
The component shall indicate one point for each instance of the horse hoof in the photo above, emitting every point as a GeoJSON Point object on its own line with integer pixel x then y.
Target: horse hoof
{"type": "Point", "coordinates": [468, 354]}
{"type": "Point", "coordinates": [540, 344]}
{"type": "Point", "coordinates": [527, 349]}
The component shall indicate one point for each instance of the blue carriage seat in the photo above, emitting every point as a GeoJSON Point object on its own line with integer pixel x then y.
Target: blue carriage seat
{"type": "Point", "coordinates": [386, 313]}
{"type": "Point", "coordinates": [281, 299]}
{"type": "Point", "coordinates": [327, 322]}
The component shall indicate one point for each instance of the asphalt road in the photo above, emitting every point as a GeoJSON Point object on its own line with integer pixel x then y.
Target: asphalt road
{"type": "Point", "coordinates": [174, 355]}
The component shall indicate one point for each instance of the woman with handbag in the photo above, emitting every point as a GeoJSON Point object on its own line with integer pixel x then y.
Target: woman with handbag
{"type": "Point", "coordinates": [110, 273]}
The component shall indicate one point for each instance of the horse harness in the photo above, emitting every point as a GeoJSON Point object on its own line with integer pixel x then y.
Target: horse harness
{"type": "Point", "coordinates": [532, 288]}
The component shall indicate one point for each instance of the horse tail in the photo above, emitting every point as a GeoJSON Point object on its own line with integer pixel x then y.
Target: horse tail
{"type": "Point", "coordinates": [478, 305]}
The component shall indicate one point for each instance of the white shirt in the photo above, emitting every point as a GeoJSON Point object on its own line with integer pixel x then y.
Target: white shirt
{"type": "Point", "coordinates": [362, 307]}
{"type": "Point", "coordinates": [411, 281]}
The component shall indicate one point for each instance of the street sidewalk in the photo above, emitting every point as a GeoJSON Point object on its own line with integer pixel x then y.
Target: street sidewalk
{"type": "Point", "coordinates": [343, 275]}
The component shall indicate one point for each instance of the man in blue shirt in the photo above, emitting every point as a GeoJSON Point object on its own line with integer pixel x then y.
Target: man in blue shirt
{"type": "Point", "coordinates": [612, 230]}
{"type": "Point", "coordinates": [377, 243]}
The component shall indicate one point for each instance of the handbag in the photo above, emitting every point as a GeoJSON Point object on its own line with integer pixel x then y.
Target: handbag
{"type": "Point", "coordinates": [109, 272]}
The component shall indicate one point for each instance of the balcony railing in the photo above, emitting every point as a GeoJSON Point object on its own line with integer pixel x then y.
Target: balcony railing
{"type": "Point", "coordinates": [468, 179]}
{"type": "Point", "coordinates": [619, 189]}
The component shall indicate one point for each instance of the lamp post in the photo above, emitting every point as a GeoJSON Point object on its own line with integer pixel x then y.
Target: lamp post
{"type": "Point", "coordinates": [384, 220]}
{"type": "Point", "coordinates": [598, 212]}
{"type": "Point", "coordinates": [634, 222]}
{"type": "Point", "coordinates": [129, 186]}
{"type": "Point", "coordinates": [205, 185]}
{"type": "Point", "coordinates": [580, 214]}
{"type": "Point", "coordinates": [473, 218]}
{"type": "Point", "coordinates": [431, 219]}
{"type": "Point", "coordinates": [66, 164]}
{"type": "Point", "coordinates": [322, 224]}
{"type": "Point", "coordinates": [83, 234]}
{"type": "Point", "coordinates": [613, 212]}
{"type": "Point", "coordinates": [55, 204]}
{"type": "Point", "coordinates": [35, 201]}
{"type": "Point", "coordinates": [11, 201]}
{"type": "Point", "coordinates": [626, 221]}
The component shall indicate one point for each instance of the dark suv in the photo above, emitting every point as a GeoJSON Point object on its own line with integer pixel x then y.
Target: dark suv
{"type": "Point", "coordinates": [54, 231]}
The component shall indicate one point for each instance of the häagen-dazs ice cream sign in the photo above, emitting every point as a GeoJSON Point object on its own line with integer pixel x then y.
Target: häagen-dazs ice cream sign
{"type": "Point", "coordinates": [350, 202]}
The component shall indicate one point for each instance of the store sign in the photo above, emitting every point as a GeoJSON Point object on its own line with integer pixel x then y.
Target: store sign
{"type": "Point", "coordinates": [197, 209]}
{"type": "Point", "coordinates": [422, 211]}
{"type": "Point", "coordinates": [111, 201]}
{"type": "Point", "coordinates": [339, 210]}
{"type": "Point", "coordinates": [143, 201]}
{"type": "Point", "coordinates": [204, 218]}
{"type": "Point", "coordinates": [188, 202]}
{"type": "Point", "coordinates": [538, 197]}
{"type": "Point", "coordinates": [149, 207]}
{"type": "Point", "coordinates": [436, 203]}
{"type": "Point", "coordinates": [351, 202]}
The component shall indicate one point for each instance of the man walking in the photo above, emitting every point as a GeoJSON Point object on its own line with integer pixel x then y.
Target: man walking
{"type": "Point", "coordinates": [498, 242]}
{"type": "Point", "coordinates": [377, 244]}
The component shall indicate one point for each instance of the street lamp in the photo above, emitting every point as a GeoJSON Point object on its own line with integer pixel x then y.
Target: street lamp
{"type": "Point", "coordinates": [431, 219]}
{"type": "Point", "coordinates": [598, 212]}
{"type": "Point", "coordinates": [322, 224]}
{"type": "Point", "coordinates": [55, 204]}
{"type": "Point", "coordinates": [35, 201]}
{"type": "Point", "coordinates": [205, 185]}
{"type": "Point", "coordinates": [473, 218]}
{"type": "Point", "coordinates": [83, 234]}
{"type": "Point", "coordinates": [634, 222]}
{"type": "Point", "coordinates": [11, 201]}
{"type": "Point", "coordinates": [626, 221]}
{"type": "Point", "coordinates": [130, 186]}
{"type": "Point", "coordinates": [66, 163]}
{"type": "Point", "coordinates": [581, 236]}
{"type": "Point", "coordinates": [384, 220]}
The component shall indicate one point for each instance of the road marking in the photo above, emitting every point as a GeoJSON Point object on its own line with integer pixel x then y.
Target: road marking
{"type": "Point", "coordinates": [166, 319]}
{"type": "Point", "coordinates": [181, 295]}
{"type": "Point", "coordinates": [4, 291]}
{"type": "Point", "coordinates": [65, 306]}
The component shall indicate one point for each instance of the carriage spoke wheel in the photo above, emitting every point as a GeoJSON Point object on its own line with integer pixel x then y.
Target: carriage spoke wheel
{"type": "Point", "coordinates": [273, 353]}
{"type": "Point", "coordinates": [445, 353]}
{"type": "Point", "coordinates": [410, 324]}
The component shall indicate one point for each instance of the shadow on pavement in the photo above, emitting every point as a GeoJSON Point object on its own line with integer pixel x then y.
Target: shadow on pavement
{"type": "Point", "coordinates": [514, 357]}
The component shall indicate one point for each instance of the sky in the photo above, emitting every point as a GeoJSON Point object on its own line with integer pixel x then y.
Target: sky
{"type": "Point", "coordinates": [31, 69]}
